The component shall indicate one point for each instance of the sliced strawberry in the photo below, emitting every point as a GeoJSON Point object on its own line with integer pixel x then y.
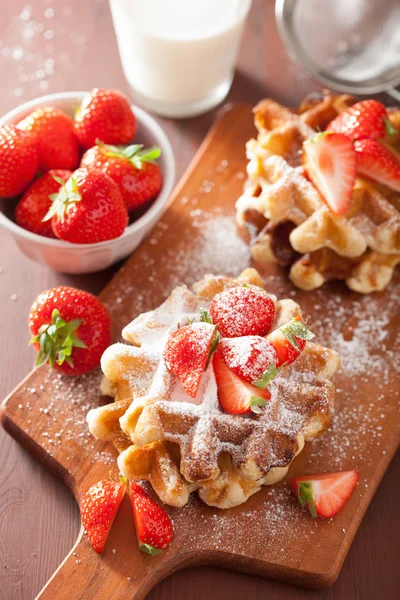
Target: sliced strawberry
{"type": "Point", "coordinates": [99, 508]}
{"type": "Point", "coordinates": [326, 493]}
{"type": "Point", "coordinates": [187, 352]}
{"type": "Point", "coordinates": [330, 163]}
{"type": "Point", "coordinates": [365, 119]}
{"type": "Point", "coordinates": [249, 357]}
{"type": "Point", "coordinates": [154, 528]}
{"type": "Point", "coordinates": [236, 396]}
{"type": "Point", "coordinates": [376, 162]}
{"type": "Point", "coordinates": [289, 341]}
{"type": "Point", "coordinates": [243, 311]}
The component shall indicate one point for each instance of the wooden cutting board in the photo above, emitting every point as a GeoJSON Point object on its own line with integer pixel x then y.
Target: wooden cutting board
{"type": "Point", "coordinates": [269, 535]}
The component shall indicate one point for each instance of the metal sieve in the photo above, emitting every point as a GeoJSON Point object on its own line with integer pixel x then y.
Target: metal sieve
{"type": "Point", "coordinates": [350, 45]}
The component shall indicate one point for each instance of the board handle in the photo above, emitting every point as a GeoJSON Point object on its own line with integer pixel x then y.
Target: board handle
{"type": "Point", "coordinates": [121, 571]}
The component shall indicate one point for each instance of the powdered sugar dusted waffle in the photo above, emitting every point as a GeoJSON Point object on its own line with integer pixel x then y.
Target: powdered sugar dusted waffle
{"type": "Point", "coordinates": [283, 210]}
{"type": "Point", "coordinates": [196, 433]}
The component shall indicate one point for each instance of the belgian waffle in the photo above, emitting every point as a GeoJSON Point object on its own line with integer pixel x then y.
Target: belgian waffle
{"type": "Point", "coordinates": [182, 445]}
{"type": "Point", "coordinates": [287, 219]}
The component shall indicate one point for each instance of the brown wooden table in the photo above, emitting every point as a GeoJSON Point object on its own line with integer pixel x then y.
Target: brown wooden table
{"type": "Point", "coordinates": [50, 46]}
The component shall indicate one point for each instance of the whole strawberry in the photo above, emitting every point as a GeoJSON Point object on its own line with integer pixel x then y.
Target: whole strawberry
{"type": "Point", "coordinates": [89, 208]}
{"type": "Point", "coordinates": [19, 161]}
{"type": "Point", "coordinates": [70, 328]}
{"type": "Point", "coordinates": [365, 119]}
{"type": "Point", "coordinates": [99, 509]}
{"type": "Point", "coordinates": [132, 168]}
{"type": "Point", "coordinates": [36, 201]}
{"type": "Point", "coordinates": [105, 115]}
{"type": "Point", "coordinates": [53, 132]}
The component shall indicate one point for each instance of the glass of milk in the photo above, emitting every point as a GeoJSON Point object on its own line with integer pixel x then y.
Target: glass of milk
{"type": "Point", "coordinates": [179, 55]}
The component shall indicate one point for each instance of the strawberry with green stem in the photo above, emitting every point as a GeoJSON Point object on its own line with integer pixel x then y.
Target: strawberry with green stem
{"type": "Point", "coordinates": [289, 341]}
{"type": "Point", "coordinates": [89, 208]}
{"type": "Point", "coordinates": [133, 169]}
{"type": "Point", "coordinates": [236, 396]}
{"type": "Point", "coordinates": [70, 328]}
{"type": "Point", "coordinates": [325, 494]}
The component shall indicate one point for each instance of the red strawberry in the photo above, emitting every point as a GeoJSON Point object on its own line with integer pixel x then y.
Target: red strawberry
{"type": "Point", "coordinates": [244, 310]}
{"type": "Point", "coordinates": [19, 161]}
{"type": "Point", "coordinates": [36, 201]}
{"type": "Point", "coordinates": [89, 208]}
{"type": "Point", "coordinates": [326, 493]}
{"type": "Point", "coordinates": [365, 119]}
{"type": "Point", "coordinates": [236, 396]}
{"type": "Point", "coordinates": [99, 508]}
{"type": "Point", "coordinates": [133, 170]}
{"type": "Point", "coordinates": [330, 163]}
{"type": "Point", "coordinates": [289, 341]}
{"type": "Point", "coordinates": [249, 357]}
{"type": "Point", "coordinates": [70, 329]}
{"type": "Point", "coordinates": [53, 132]}
{"type": "Point", "coordinates": [376, 162]}
{"type": "Point", "coordinates": [187, 351]}
{"type": "Point", "coordinates": [154, 528]}
{"type": "Point", "coordinates": [105, 115]}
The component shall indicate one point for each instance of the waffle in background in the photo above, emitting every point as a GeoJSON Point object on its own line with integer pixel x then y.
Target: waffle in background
{"type": "Point", "coordinates": [288, 222]}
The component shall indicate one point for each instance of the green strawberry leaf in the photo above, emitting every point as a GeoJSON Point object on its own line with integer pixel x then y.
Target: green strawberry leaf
{"type": "Point", "coordinates": [205, 316]}
{"type": "Point", "coordinates": [305, 497]}
{"type": "Point", "coordinates": [296, 329]}
{"type": "Point", "coordinates": [66, 197]}
{"type": "Point", "coordinates": [268, 376]}
{"type": "Point", "coordinates": [134, 153]}
{"type": "Point", "coordinates": [147, 549]}
{"type": "Point", "coordinates": [256, 404]}
{"type": "Point", "coordinates": [214, 344]}
{"type": "Point", "coordinates": [390, 130]}
{"type": "Point", "coordinates": [57, 341]}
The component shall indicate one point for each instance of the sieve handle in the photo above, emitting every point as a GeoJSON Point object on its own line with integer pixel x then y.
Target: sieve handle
{"type": "Point", "coordinates": [394, 93]}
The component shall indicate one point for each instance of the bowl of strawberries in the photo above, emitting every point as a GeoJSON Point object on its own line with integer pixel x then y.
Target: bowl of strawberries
{"type": "Point", "coordinates": [84, 176]}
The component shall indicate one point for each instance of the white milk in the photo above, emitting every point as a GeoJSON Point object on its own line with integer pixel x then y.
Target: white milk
{"type": "Point", "coordinates": [179, 55]}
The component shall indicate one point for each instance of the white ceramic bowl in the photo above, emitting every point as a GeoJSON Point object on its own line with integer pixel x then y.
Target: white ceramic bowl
{"type": "Point", "coordinates": [86, 258]}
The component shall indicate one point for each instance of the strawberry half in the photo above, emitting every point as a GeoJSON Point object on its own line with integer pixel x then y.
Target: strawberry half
{"type": "Point", "coordinates": [330, 163]}
{"type": "Point", "coordinates": [326, 493]}
{"type": "Point", "coordinates": [376, 162]}
{"type": "Point", "coordinates": [154, 528]}
{"type": "Point", "coordinates": [249, 357]}
{"type": "Point", "coordinates": [365, 119]}
{"type": "Point", "coordinates": [187, 352]}
{"type": "Point", "coordinates": [99, 508]}
{"type": "Point", "coordinates": [236, 396]}
{"type": "Point", "coordinates": [241, 311]}
{"type": "Point", "coordinates": [289, 341]}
